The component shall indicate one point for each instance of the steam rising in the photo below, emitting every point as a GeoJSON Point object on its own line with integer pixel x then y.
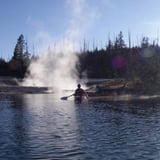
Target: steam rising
{"type": "Point", "coordinates": [56, 65]}
{"type": "Point", "coordinates": [54, 69]}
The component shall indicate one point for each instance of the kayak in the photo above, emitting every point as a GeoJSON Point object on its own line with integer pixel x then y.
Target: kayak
{"type": "Point", "coordinates": [79, 99]}
{"type": "Point", "coordinates": [92, 95]}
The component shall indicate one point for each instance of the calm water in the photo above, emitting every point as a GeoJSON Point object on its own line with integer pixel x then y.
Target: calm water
{"type": "Point", "coordinates": [45, 127]}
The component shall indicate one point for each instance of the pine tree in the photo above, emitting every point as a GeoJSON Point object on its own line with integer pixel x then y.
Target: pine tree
{"type": "Point", "coordinates": [26, 55]}
{"type": "Point", "coordinates": [19, 48]}
{"type": "Point", "coordinates": [20, 60]}
{"type": "Point", "coordinates": [145, 42]}
{"type": "Point", "coordinates": [119, 42]}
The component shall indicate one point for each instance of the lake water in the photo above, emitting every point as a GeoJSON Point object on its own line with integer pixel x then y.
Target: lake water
{"type": "Point", "coordinates": [41, 126]}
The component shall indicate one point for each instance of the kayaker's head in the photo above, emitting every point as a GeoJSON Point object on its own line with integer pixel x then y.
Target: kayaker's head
{"type": "Point", "coordinates": [79, 86]}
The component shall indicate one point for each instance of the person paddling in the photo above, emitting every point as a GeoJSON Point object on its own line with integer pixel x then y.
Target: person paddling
{"type": "Point", "coordinates": [80, 93]}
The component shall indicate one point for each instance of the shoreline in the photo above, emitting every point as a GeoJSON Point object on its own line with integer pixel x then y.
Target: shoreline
{"type": "Point", "coordinates": [9, 85]}
{"type": "Point", "coordinates": [23, 90]}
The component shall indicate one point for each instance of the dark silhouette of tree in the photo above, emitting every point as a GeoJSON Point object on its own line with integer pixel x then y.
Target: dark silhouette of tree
{"type": "Point", "coordinates": [119, 42]}
{"type": "Point", "coordinates": [145, 42]}
{"type": "Point", "coordinates": [21, 58]}
{"type": "Point", "coordinates": [19, 48]}
{"type": "Point", "coordinates": [3, 67]}
{"type": "Point", "coordinates": [109, 46]}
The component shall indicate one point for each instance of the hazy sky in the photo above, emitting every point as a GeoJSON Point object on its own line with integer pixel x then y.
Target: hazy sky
{"type": "Point", "coordinates": [44, 22]}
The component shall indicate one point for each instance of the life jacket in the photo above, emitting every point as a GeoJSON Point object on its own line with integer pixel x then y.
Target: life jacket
{"type": "Point", "coordinates": [79, 92]}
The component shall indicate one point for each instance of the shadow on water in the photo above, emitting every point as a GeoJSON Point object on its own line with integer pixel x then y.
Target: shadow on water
{"type": "Point", "coordinates": [44, 127]}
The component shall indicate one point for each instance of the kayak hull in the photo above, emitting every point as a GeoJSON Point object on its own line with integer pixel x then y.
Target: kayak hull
{"type": "Point", "coordinates": [79, 99]}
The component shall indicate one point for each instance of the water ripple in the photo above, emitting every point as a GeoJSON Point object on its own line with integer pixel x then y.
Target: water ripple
{"type": "Point", "coordinates": [65, 131]}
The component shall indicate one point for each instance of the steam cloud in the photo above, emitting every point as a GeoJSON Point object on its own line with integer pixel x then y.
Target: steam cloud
{"type": "Point", "coordinates": [54, 69]}
{"type": "Point", "coordinates": [56, 66]}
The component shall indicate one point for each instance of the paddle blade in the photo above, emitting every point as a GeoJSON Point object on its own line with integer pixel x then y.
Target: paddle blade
{"type": "Point", "coordinates": [64, 98]}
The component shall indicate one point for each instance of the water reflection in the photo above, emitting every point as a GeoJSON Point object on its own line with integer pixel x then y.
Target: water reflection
{"type": "Point", "coordinates": [12, 126]}
{"type": "Point", "coordinates": [53, 128]}
{"type": "Point", "coordinates": [44, 127]}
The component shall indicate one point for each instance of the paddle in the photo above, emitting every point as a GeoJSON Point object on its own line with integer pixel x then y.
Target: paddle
{"type": "Point", "coordinates": [65, 98]}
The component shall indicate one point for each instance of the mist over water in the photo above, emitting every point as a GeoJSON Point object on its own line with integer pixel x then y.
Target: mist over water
{"type": "Point", "coordinates": [55, 69]}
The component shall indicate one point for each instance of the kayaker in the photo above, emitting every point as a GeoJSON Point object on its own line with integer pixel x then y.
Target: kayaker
{"type": "Point", "coordinates": [80, 93]}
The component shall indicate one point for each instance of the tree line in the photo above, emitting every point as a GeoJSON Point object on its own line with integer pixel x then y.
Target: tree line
{"type": "Point", "coordinates": [140, 64]}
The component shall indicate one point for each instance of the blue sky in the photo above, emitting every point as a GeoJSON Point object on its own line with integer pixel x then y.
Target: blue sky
{"type": "Point", "coordinates": [44, 22]}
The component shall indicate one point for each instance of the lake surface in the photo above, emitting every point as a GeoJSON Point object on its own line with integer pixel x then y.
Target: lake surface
{"type": "Point", "coordinates": [41, 126]}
